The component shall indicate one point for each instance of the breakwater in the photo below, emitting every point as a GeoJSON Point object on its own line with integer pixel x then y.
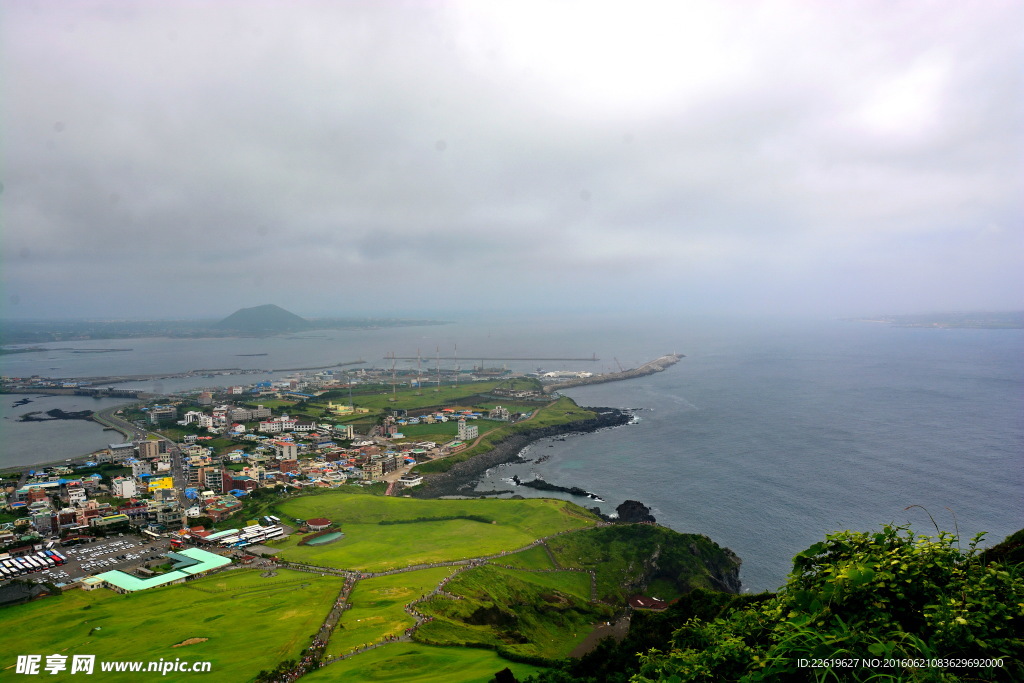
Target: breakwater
{"type": "Point", "coordinates": [656, 365]}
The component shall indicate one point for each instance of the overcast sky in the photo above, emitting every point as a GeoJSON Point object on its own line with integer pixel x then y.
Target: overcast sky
{"type": "Point", "coordinates": [189, 158]}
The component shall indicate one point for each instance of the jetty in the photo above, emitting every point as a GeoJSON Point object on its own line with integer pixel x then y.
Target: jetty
{"type": "Point", "coordinates": [649, 368]}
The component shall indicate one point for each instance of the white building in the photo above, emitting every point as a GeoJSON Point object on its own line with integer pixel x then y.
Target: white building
{"type": "Point", "coordinates": [467, 432]}
{"type": "Point", "coordinates": [124, 487]}
{"type": "Point", "coordinates": [202, 419]}
{"type": "Point", "coordinates": [270, 427]}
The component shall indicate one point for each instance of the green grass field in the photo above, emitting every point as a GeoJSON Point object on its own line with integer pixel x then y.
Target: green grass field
{"type": "Point", "coordinates": [251, 623]}
{"type": "Point", "coordinates": [531, 558]}
{"type": "Point", "coordinates": [442, 430]}
{"type": "Point", "coordinates": [370, 546]}
{"type": "Point", "coordinates": [415, 663]}
{"type": "Point", "coordinates": [413, 399]}
{"type": "Point", "coordinates": [409, 399]}
{"type": "Point", "coordinates": [378, 608]}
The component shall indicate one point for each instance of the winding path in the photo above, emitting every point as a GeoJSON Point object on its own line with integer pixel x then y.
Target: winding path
{"type": "Point", "coordinates": [315, 651]}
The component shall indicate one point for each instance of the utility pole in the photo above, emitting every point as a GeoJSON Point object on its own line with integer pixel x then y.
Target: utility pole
{"type": "Point", "coordinates": [393, 389]}
{"type": "Point", "coordinates": [438, 369]}
{"type": "Point", "coordinates": [419, 375]}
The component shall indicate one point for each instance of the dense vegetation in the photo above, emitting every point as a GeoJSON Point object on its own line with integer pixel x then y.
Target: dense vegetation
{"type": "Point", "coordinates": [890, 605]}
{"type": "Point", "coordinates": [641, 558]}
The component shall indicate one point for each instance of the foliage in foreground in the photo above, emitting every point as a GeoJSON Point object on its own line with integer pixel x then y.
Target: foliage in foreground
{"type": "Point", "coordinates": [891, 595]}
{"type": "Point", "coordinates": [612, 662]}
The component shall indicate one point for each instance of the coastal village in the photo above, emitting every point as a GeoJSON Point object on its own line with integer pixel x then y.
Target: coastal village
{"type": "Point", "coordinates": [203, 454]}
{"type": "Point", "coordinates": [194, 460]}
{"type": "Point", "coordinates": [315, 474]}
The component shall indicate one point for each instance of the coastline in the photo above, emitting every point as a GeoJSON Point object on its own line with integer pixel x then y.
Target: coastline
{"type": "Point", "coordinates": [464, 475]}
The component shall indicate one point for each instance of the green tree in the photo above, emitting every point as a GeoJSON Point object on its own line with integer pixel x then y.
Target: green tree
{"type": "Point", "coordinates": [864, 598]}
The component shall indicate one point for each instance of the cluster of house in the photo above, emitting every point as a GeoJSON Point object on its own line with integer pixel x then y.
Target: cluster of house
{"type": "Point", "coordinates": [315, 460]}
{"type": "Point", "coordinates": [59, 503]}
{"type": "Point", "coordinates": [278, 452]}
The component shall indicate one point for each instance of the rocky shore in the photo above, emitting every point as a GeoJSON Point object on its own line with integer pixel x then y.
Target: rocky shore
{"type": "Point", "coordinates": [542, 485]}
{"type": "Point", "coordinates": [461, 478]}
{"type": "Point", "coordinates": [56, 414]}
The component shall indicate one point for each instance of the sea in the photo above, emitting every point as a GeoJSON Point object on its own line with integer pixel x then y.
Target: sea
{"type": "Point", "coordinates": [768, 434]}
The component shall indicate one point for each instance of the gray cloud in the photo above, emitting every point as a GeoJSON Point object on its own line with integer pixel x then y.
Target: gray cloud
{"type": "Point", "coordinates": [777, 158]}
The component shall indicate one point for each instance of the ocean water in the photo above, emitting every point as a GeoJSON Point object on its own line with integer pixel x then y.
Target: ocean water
{"type": "Point", "coordinates": [769, 439]}
{"type": "Point", "coordinates": [767, 436]}
{"type": "Point", "coordinates": [33, 442]}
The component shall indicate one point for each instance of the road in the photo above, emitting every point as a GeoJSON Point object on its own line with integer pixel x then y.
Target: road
{"type": "Point", "coordinates": [108, 418]}
{"type": "Point", "coordinates": [132, 432]}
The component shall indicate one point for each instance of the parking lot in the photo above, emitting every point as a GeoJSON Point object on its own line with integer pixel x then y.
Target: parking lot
{"type": "Point", "coordinates": [123, 552]}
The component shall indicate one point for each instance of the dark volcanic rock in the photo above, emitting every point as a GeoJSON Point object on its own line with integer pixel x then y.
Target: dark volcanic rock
{"type": "Point", "coordinates": [57, 414]}
{"type": "Point", "coordinates": [542, 485]}
{"type": "Point", "coordinates": [633, 511]}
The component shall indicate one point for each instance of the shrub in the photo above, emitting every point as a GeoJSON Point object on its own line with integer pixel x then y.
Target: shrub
{"type": "Point", "coordinates": [864, 598]}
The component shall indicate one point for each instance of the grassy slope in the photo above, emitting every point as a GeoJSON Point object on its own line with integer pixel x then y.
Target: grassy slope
{"type": "Point", "coordinates": [531, 558]}
{"type": "Point", "coordinates": [378, 608]}
{"type": "Point", "coordinates": [618, 554]}
{"type": "Point", "coordinates": [526, 613]}
{"type": "Point", "coordinates": [250, 625]}
{"type": "Point", "coordinates": [370, 546]}
{"type": "Point", "coordinates": [415, 663]}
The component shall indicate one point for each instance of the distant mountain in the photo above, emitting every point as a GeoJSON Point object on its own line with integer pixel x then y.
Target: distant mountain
{"type": "Point", "coordinates": [265, 319]}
